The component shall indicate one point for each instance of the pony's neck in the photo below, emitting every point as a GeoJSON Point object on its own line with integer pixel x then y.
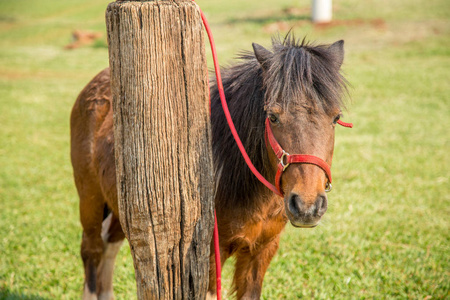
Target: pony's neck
{"type": "Point", "coordinates": [235, 183]}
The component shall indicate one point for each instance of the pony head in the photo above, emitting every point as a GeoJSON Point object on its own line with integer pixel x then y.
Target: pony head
{"type": "Point", "coordinates": [303, 88]}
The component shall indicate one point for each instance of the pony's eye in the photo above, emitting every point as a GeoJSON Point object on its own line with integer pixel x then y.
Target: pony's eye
{"type": "Point", "coordinates": [273, 118]}
{"type": "Point", "coordinates": [338, 117]}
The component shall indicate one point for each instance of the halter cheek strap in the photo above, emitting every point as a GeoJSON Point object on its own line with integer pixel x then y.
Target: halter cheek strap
{"type": "Point", "coordinates": [285, 159]}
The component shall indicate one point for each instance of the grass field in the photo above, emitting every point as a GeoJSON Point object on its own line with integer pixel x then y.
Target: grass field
{"type": "Point", "coordinates": [386, 234]}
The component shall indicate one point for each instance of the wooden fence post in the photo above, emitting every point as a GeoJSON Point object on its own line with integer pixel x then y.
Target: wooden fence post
{"type": "Point", "coordinates": [163, 151]}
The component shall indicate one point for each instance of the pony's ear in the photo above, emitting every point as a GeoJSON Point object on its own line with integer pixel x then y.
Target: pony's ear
{"type": "Point", "coordinates": [261, 54]}
{"type": "Point", "coordinates": [337, 49]}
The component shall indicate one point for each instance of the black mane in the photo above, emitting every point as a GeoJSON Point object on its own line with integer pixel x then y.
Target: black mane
{"type": "Point", "coordinates": [295, 71]}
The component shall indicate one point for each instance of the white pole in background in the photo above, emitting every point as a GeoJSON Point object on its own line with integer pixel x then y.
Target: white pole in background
{"type": "Point", "coordinates": [321, 11]}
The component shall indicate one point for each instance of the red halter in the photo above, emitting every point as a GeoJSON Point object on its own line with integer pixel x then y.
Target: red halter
{"type": "Point", "coordinates": [285, 159]}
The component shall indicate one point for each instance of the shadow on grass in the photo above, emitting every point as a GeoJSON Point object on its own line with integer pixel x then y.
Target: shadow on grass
{"type": "Point", "coordinates": [5, 294]}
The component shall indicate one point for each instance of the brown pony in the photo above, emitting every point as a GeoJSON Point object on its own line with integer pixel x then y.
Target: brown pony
{"type": "Point", "coordinates": [297, 87]}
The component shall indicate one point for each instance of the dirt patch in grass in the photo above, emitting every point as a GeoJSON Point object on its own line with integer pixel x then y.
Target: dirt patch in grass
{"type": "Point", "coordinates": [375, 23]}
{"type": "Point", "coordinates": [378, 24]}
{"type": "Point", "coordinates": [82, 37]}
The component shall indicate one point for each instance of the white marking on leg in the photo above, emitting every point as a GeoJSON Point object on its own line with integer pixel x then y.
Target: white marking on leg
{"type": "Point", "coordinates": [106, 270]}
{"type": "Point", "coordinates": [109, 295]}
{"type": "Point", "coordinates": [105, 228]}
{"type": "Point", "coordinates": [87, 295]}
{"type": "Point", "coordinates": [211, 296]}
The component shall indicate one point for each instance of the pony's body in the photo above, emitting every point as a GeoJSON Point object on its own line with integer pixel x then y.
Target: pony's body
{"type": "Point", "coordinates": [250, 216]}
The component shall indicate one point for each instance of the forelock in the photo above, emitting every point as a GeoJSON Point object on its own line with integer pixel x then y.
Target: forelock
{"type": "Point", "coordinates": [301, 72]}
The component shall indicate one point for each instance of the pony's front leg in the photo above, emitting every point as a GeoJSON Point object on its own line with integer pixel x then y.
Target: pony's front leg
{"type": "Point", "coordinates": [212, 287]}
{"type": "Point", "coordinates": [250, 269]}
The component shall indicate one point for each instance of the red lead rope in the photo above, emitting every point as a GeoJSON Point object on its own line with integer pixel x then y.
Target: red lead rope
{"type": "Point", "coordinates": [216, 230]}
{"type": "Point", "coordinates": [227, 112]}
{"type": "Point", "coordinates": [241, 148]}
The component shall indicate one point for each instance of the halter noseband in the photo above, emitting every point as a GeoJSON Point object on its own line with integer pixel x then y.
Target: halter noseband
{"type": "Point", "coordinates": [285, 159]}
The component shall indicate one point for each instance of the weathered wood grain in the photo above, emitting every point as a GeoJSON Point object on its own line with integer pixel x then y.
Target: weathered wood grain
{"type": "Point", "coordinates": [162, 144]}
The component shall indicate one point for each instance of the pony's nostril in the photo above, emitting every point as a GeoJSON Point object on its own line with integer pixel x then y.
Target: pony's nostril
{"type": "Point", "coordinates": [321, 205]}
{"type": "Point", "coordinates": [295, 204]}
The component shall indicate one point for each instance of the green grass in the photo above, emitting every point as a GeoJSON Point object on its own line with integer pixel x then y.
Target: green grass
{"type": "Point", "coordinates": [386, 233]}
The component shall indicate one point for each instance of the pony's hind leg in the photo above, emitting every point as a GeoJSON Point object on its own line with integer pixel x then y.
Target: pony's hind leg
{"type": "Point", "coordinates": [91, 216]}
{"type": "Point", "coordinates": [112, 236]}
{"type": "Point", "coordinates": [91, 253]}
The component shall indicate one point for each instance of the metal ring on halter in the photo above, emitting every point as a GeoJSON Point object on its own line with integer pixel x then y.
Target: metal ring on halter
{"type": "Point", "coordinates": [285, 154]}
{"type": "Point", "coordinates": [328, 187]}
